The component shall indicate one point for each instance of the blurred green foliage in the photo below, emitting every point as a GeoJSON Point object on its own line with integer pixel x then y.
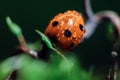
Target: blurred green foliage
{"type": "Point", "coordinates": [57, 68]}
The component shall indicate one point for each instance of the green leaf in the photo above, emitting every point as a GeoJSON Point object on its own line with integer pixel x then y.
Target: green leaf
{"type": "Point", "coordinates": [14, 28]}
{"type": "Point", "coordinates": [49, 44]}
{"type": "Point", "coordinates": [45, 39]}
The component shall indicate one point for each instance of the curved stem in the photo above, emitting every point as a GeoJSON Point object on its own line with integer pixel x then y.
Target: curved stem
{"type": "Point", "coordinates": [94, 19]}
{"type": "Point", "coordinates": [88, 8]}
{"type": "Point", "coordinates": [112, 16]}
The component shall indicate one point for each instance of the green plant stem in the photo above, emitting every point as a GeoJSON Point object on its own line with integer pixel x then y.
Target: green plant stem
{"type": "Point", "coordinates": [59, 53]}
{"type": "Point", "coordinates": [22, 41]}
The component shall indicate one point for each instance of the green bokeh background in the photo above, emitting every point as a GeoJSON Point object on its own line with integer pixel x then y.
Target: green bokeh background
{"type": "Point", "coordinates": [36, 14]}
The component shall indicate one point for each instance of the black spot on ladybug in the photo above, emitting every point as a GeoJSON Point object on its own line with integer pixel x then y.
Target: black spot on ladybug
{"type": "Point", "coordinates": [71, 44]}
{"type": "Point", "coordinates": [81, 27]}
{"type": "Point", "coordinates": [55, 23]}
{"type": "Point", "coordinates": [67, 33]}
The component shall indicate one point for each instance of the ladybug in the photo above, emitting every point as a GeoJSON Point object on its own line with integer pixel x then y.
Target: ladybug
{"type": "Point", "coordinates": [66, 29]}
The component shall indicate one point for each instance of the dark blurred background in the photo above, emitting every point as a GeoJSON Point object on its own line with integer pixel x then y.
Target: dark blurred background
{"type": "Point", "coordinates": [36, 14]}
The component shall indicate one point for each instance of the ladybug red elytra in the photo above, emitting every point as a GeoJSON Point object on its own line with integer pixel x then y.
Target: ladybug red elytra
{"type": "Point", "coordinates": [66, 29]}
